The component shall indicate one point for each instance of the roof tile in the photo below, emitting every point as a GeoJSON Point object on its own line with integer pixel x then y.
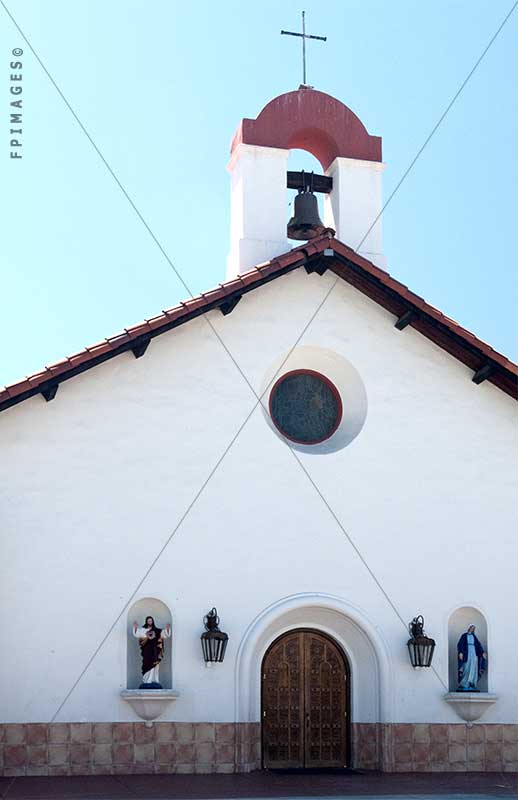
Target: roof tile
{"type": "Point", "coordinates": [38, 378]}
{"type": "Point", "coordinates": [233, 285]}
{"type": "Point", "coordinates": [174, 313]}
{"type": "Point", "coordinates": [17, 388]}
{"type": "Point", "coordinates": [269, 269]}
{"type": "Point", "coordinates": [194, 303]}
{"type": "Point", "coordinates": [58, 366]}
{"type": "Point", "coordinates": [118, 339]}
{"type": "Point", "coordinates": [288, 258]}
{"type": "Point", "coordinates": [99, 349]}
{"type": "Point", "coordinates": [251, 277]}
{"type": "Point", "coordinates": [157, 322]}
{"type": "Point", "coordinates": [80, 358]}
{"type": "Point", "coordinates": [137, 330]}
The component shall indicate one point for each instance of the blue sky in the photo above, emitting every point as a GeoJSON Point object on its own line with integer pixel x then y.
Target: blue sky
{"type": "Point", "coordinates": [161, 88]}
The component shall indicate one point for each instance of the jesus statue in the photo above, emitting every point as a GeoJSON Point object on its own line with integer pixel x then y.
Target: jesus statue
{"type": "Point", "coordinates": [151, 640]}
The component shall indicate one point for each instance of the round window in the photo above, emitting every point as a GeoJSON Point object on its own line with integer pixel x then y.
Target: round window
{"type": "Point", "coordinates": [305, 407]}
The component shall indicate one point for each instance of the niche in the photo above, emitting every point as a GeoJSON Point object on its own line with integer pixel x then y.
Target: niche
{"type": "Point", "coordinates": [458, 624]}
{"type": "Point", "coordinates": [148, 606]}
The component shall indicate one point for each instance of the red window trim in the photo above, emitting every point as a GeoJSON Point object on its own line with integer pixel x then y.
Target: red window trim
{"type": "Point", "coordinates": [325, 380]}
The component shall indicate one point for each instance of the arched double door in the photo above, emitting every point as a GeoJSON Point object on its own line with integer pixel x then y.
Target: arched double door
{"type": "Point", "coordinates": [305, 703]}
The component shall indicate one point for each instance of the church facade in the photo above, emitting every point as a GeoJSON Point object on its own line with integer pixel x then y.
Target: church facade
{"type": "Point", "coordinates": [309, 448]}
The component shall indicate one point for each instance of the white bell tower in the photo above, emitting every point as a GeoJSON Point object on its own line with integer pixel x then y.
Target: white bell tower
{"type": "Point", "coordinates": [309, 120]}
{"type": "Point", "coordinates": [257, 206]}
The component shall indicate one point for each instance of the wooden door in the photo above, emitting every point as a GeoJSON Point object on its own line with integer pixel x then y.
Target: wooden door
{"type": "Point", "coordinates": [304, 703]}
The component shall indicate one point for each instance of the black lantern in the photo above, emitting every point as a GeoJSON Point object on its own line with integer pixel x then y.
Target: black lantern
{"type": "Point", "coordinates": [420, 646]}
{"type": "Point", "coordinates": [213, 641]}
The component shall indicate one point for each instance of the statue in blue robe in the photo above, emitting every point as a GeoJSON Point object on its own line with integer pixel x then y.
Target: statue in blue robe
{"type": "Point", "coordinates": [471, 661]}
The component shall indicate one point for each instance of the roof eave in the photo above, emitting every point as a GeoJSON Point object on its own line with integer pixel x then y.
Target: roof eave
{"type": "Point", "coordinates": [318, 256]}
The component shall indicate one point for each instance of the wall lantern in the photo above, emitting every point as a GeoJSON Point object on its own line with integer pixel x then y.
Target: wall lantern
{"type": "Point", "coordinates": [420, 646]}
{"type": "Point", "coordinates": [213, 641]}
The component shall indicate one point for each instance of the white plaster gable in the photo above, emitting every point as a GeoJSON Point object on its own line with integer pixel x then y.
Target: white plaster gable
{"type": "Point", "coordinates": [94, 483]}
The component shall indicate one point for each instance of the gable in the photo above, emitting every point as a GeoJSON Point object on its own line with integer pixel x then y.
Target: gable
{"type": "Point", "coordinates": [318, 256]}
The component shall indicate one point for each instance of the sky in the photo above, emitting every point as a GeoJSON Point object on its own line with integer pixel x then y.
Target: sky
{"type": "Point", "coordinates": [161, 87]}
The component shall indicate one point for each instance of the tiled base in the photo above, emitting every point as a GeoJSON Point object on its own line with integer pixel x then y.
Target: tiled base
{"type": "Point", "coordinates": [128, 747]}
{"type": "Point", "coordinates": [184, 747]}
{"type": "Point", "coordinates": [436, 748]}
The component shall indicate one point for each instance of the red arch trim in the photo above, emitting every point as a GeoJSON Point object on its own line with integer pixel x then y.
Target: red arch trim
{"type": "Point", "coordinates": [312, 121]}
{"type": "Point", "coordinates": [334, 391]}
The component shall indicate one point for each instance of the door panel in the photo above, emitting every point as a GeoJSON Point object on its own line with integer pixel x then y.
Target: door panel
{"type": "Point", "coordinates": [325, 703]}
{"type": "Point", "coordinates": [304, 703]}
{"type": "Point", "coordinates": [283, 703]}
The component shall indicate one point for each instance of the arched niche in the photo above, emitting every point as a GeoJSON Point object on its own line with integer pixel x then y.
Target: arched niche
{"type": "Point", "coordinates": [148, 606]}
{"type": "Point", "coordinates": [459, 622]}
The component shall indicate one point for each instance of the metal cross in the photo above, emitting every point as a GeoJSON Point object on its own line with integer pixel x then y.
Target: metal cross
{"type": "Point", "coordinates": [304, 36]}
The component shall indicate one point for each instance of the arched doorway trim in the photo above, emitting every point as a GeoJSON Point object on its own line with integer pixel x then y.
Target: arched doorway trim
{"type": "Point", "coordinates": [349, 626]}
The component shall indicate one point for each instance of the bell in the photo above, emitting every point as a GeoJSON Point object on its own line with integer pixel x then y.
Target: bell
{"type": "Point", "coordinates": [305, 223]}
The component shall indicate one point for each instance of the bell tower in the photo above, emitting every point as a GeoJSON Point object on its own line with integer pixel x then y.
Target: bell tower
{"type": "Point", "coordinates": [309, 120]}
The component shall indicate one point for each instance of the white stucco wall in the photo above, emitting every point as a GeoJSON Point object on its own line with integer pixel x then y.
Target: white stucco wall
{"type": "Point", "coordinates": [257, 206]}
{"type": "Point", "coordinates": [93, 483]}
{"type": "Point", "coordinates": [354, 204]}
{"type": "Point", "coordinates": [258, 198]}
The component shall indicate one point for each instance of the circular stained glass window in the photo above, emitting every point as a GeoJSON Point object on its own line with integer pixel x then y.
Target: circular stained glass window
{"type": "Point", "coordinates": [305, 407]}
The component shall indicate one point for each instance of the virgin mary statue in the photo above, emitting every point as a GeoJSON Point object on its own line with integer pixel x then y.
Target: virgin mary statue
{"type": "Point", "coordinates": [151, 640]}
{"type": "Point", "coordinates": [471, 659]}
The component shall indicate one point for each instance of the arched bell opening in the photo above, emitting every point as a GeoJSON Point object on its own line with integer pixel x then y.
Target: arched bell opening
{"type": "Point", "coordinates": [317, 142]}
{"type": "Point", "coordinates": [312, 120]}
{"type": "Point", "coordinates": [305, 702]}
{"type": "Point", "coordinates": [303, 161]}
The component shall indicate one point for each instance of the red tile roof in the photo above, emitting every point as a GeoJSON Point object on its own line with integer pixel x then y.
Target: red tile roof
{"type": "Point", "coordinates": [340, 259]}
